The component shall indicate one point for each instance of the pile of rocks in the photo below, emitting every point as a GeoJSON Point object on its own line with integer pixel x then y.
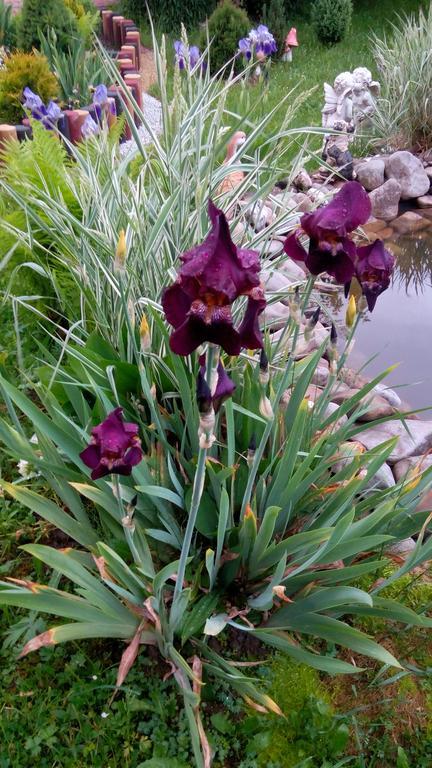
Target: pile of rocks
{"type": "Point", "coordinates": [391, 179]}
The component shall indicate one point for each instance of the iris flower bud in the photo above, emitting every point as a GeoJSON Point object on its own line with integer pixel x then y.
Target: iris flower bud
{"type": "Point", "coordinates": [351, 312]}
{"type": "Point", "coordinates": [311, 323]}
{"type": "Point", "coordinates": [145, 338]}
{"type": "Point", "coordinates": [121, 252]}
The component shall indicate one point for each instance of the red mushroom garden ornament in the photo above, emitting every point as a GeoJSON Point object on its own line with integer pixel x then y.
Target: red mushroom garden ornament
{"type": "Point", "coordinates": [290, 43]}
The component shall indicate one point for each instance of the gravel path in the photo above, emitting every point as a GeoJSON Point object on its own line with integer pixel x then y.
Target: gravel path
{"type": "Point", "coordinates": [153, 114]}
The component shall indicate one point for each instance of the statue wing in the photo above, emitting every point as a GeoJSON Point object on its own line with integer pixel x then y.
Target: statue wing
{"type": "Point", "coordinates": [330, 98]}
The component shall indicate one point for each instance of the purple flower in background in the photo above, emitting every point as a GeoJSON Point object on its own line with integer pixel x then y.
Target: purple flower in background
{"type": "Point", "coordinates": [89, 128]}
{"type": "Point", "coordinates": [114, 447]}
{"type": "Point", "coordinates": [194, 55]}
{"type": "Point", "coordinates": [52, 115]}
{"type": "Point", "coordinates": [245, 47]}
{"type": "Point", "coordinates": [213, 275]}
{"type": "Point", "coordinates": [259, 40]}
{"type": "Point", "coordinates": [373, 270]}
{"type": "Point", "coordinates": [181, 53]}
{"type": "Point", "coordinates": [330, 248]}
{"type": "Point", "coordinates": [100, 95]}
{"type": "Point", "coordinates": [34, 103]}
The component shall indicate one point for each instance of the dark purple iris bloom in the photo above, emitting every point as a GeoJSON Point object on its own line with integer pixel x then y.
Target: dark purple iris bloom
{"type": "Point", "coordinates": [114, 447]}
{"type": "Point", "coordinates": [224, 387]}
{"type": "Point", "coordinates": [213, 275]}
{"type": "Point", "coordinates": [330, 248]}
{"type": "Point", "coordinates": [374, 268]}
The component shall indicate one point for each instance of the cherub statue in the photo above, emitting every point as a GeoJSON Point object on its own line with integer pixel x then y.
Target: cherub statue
{"type": "Point", "coordinates": [338, 103]}
{"type": "Point", "coordinates": [365, 91]}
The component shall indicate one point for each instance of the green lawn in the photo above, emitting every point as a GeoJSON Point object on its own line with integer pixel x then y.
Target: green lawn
{"type": "Point", "coordinates": [313, 63]}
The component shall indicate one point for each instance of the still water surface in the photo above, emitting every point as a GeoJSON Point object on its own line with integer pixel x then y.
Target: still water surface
{"type": "Point", "coordinates": [400, 328]}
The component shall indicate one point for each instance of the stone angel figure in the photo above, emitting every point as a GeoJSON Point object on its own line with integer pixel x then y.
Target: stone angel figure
{"type": "Point", "coordinates": [338, 104]}
{"type": "Point", "coordinates": [365, 92]}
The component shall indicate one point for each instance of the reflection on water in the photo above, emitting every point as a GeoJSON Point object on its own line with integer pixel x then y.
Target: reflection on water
{"type": "Point", "coordinates": [400, 328]}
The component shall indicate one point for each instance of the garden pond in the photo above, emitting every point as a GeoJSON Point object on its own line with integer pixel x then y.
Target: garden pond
{"type": "Point", "coordinates": [399, 331]}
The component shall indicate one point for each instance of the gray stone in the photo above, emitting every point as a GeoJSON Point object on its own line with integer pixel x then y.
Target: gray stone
{"type": "Point", "coordinates": [413, 443]}
{"type": "Point", "coordinates": [302, 181]}
{"type": "Point", "coordinates": [275, 315]}
{"type": "Point", "coordinates": [321, 373]}
{"type": "Point", "coordinates": [277, 283]}
{"type": "Point", "coordinates": [425, 201]}
{"type": "Point", "coordinates": [272, 247]}
{"type": "Point", "coordinates": [388, 394]}
{"type": "Point", "coordinates": [402, 547]}
{"type": "Point", "coordinates": [385, 200]}
{"type": "Point", "coordinates": [412, 465]}
{"type": "Point", "coordinates": [340, 421]}
{"type": "Point", "coordinates": [259, 216]}
{"type": "Point", "coordinates": [371, 173]}
{"type": "Point", "coordinates": [409, 172]}
{"type": "Point", "coordinates": [410, 221]}
{"type": "Point", "coordinates": [303, 202]}
{"type": "Point", "coordinates": [381, 480]}
{"type": "Point", "coordinates": [292, 270]}
{"type": "Point", "coordinates": [375, 407]}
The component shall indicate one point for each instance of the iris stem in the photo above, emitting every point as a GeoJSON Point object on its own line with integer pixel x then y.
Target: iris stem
{"type": "Point", "coordinates": [269, 426]}
{"type": "Point", "coordinates": [127, 531]}
{"type": "Point", "coordinates": [197, 491]}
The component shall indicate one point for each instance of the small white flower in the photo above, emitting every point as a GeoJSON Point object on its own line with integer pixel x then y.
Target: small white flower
{"type": "Point", "coordinates": [94, 677]}
{"type": "Point", "coordinates": [104, 714]}
{"type": "Point", "coordinates": [34, 439]}
{"type": "Point", "coordinates": [24, 468]}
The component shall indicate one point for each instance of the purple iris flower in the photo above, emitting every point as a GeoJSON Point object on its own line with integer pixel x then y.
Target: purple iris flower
{"type": "Point", "coordinates": [89, 128]}
{"type": "Point", "coordinates": [34, 103]}
{"type": "Point", "coordinates": [52, 115]}
{"type": "Point", "coordinates": [245, 47]}
{"type": "Point", "coordinates": [114, 447]}
{"type": "Point", "coordinates": [330, 248]}
{"type": "Point", "coordinates": [100, 95]}
{"type": "Point", "coordinates": [213, 275]}
{"type": "Point", "coordinates": [181, 53]}
{"type": "Point", "coordinates": [194, 55]}
{"type": "Point", "coordinates": [374, 268]}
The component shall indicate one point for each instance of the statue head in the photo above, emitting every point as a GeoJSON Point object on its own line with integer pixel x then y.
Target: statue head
{"type": "Point", "coordinates": [362, 77]}
{"type": "Point", "coordinates": [342, 83]}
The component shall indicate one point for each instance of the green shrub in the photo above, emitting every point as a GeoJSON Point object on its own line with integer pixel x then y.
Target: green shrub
{"type": "Point", "coordinates": [275, 18]}
{"type": "Point", "coordinates": [226, 26]}
{"type": "Point", "coordinates": [7, 25]}
{"type": "Point", "coordinates": [169, 14]}
{"type": "Point", "coordinates": [37, 15]}
{"type": "Point", "coordinates": [21, 70]}
{"type": "Point", "coordinates": [331, 19]}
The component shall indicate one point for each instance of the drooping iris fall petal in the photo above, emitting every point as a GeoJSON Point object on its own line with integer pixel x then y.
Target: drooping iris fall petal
{"type": "Point", "coordinates": [114, 447]}
{"type": "Point", "coordinates": [374, 269]}
{"type": "Point", "coordinates": [213, 275]}
{"type": "Point", "coordinates": [330, 248]}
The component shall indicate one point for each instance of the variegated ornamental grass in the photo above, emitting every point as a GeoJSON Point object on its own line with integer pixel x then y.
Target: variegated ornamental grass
{"type": "Point", "coordinates": [271, 540]}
